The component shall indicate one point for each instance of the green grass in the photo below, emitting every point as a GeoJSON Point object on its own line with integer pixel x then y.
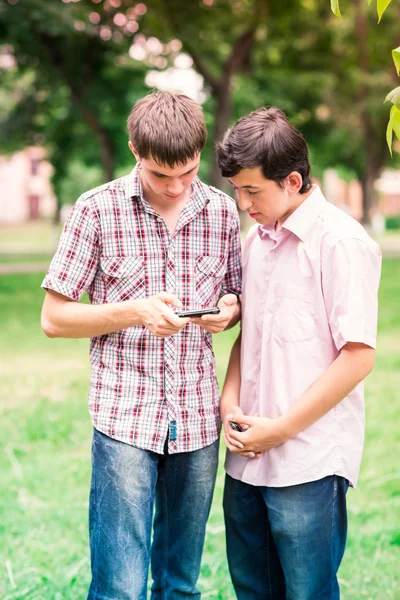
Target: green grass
{"type": "Point", "coordinates": [45, 461]}
{"type": "Point", "coordinates": [25, 257]}
{"type": "Point", "coordinates": [36, 237]}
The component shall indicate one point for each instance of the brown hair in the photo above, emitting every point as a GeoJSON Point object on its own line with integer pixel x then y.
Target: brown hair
{"type": "Point", "coordinates": [266, 139]}
{"type": "Point", "coordinates": [169, 127]}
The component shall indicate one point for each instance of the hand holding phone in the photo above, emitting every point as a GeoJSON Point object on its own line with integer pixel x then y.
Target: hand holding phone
{"type": "Point", "coordinates": [198, 312]}
{"type": "Point", "coordinates": [236, 426]}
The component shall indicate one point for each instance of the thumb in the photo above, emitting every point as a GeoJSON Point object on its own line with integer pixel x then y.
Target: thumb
{"type": "Point", "coordinates": [170, 299]}
{"type": "Point", "coordinates": [228, 299]}
{"type": "Point", "coordinates": [241, 419]}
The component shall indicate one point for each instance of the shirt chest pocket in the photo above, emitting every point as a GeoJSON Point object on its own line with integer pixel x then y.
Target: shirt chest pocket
{"type": "Point", "coordinates": [294, 313]}
{"type": "Point", "coordinates": [123, 277]}
{"type": "Point", "coordinates": [209, 271]}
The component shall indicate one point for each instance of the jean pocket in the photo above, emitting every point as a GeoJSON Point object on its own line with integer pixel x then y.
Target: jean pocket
{"type": "Point", "coordinates": [294, 313]}
{"type": "Point", "coordinates": [124, 277]}
{"type": "Point", "coordinates": [209, 272]}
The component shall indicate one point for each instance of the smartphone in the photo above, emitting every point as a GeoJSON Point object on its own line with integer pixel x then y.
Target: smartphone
{"type": "Point", "coordinates": [199, 312]}
{"type": "Point", "coordinates": [236, 426]}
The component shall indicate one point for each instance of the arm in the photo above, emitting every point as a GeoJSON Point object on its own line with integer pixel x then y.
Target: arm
{"type": "Point", "coordinates": [353, 364]}
{"type": "Point", "coordinates": [63, 317]}
{"type": "Point", "coordinates": [72, 272]}
{"type": "Point", "coordinates": [231, 391]}
{"type": "Point", "coordinates": [350, 281]}
{"type": "Point", "coordinates": [229, 406]}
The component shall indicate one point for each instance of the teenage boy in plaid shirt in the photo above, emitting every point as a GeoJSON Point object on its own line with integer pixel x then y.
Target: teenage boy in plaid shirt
{"type": "Point", "coordinates": [143, 246]}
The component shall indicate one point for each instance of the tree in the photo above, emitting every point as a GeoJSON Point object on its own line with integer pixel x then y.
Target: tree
{"type": "Point", "coordinates": [394, 95]}
{"type": "Point", "coordinates": [78, 86]}
{"type": "Point", "coordinates": [219, 37]}
{"type": "Point", "coordinates": [363, 69]}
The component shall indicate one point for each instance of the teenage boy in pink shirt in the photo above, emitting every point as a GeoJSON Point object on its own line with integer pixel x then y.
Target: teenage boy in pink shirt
{"type": "Point", "coordinates": [294, 382]}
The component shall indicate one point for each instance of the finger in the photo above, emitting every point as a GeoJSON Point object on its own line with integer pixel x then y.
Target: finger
{"type": "Point", "coordinates": [241, 419]}
{"type": "Point", "coordinates": [170, 299]}
{"type": "Point", "coordinates": [208, 319]}
{"type": "Point", "coordinates": [227, 300]}
{"type": "Point", "coordinates": [210, 328]}
{"type": "Point", "coordinates": [233, 442]}
{"type": "Point", "coordinates": [231, 448]}
{"type": "Point", "coordinates": [177, 322]}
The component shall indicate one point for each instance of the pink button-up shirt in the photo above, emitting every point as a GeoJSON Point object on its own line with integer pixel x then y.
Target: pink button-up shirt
{"type": "Point", "coordinates": [309, 288]}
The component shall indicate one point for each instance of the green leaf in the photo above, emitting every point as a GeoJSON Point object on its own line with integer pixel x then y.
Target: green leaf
{"type": "Point", "coordinates": [396, 59]}
{"type": "Point", "coordinates": [381, 6]}
{"type": "Point", "coordinates": [394, 97]}
{"type": "Point", "coordinates": [393, 126]}
{"type": "Point", "coordinates": [335, 8]}
{"type": "Point", "coordinates": [396, 122]}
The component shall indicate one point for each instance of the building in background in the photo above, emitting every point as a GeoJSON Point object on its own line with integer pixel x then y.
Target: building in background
{"type": "Point", "coordinates": [348, 196]}
{"type": "Point", "coordinates": [25, 189]}
{"type": "Point", "coordinates": [388, 186]}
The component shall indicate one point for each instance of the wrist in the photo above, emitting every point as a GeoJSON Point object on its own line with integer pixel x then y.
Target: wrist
{"type": "Point", "coordinates": [286, 428]}
{"type": "Point", "coordinates": [131, 312]}
{"type": "Point", "coordinates": [228, 406]}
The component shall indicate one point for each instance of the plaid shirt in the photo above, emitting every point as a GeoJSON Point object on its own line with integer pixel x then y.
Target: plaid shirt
{"type": "Point", "coordinates": [145, 390]}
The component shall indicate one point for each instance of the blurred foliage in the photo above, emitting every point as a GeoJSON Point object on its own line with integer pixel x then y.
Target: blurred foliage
{"type": "Point", "coordinates": [74, 81]}
{"type": "Point", "coordinates": [393, 222]}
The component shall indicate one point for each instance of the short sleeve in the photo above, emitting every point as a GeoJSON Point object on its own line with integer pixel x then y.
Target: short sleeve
{"type": "Point", "coordinates": [75, 263]}
{"type": "Point", "coordinates": [233, 277]}
{"type": "Point", "coordinates": [351, 272]}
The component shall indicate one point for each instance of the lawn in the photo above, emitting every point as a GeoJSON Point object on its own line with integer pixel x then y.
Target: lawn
{"type": "Point", "coordinates": [45, 448]}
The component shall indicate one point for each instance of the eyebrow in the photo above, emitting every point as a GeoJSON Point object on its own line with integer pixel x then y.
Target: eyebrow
{"type": "Point", "coordinates": [164, 175]}
{"type": "Point", "coordinates": [252, 187]}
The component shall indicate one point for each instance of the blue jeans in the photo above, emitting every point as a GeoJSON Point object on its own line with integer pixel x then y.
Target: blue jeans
{"type": "Point", "coordinates": [127, 483]}
{"type": "Point", "coordinates": [286, 543]}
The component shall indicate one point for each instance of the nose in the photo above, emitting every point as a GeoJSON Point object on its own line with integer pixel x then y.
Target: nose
{"type": "Point", "coordinates": [243, 201]}
{"type": "Point", "coordinates": [174, 187]}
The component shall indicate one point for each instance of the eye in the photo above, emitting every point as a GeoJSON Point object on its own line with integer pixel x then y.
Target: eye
{"type": "Point", "coordinates": [252, 193]}
{"type": "Point", "coordinates": [159, 176]}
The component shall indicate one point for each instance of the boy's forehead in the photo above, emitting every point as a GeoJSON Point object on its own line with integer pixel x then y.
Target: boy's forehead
{"type": "Point", "coordinates": [176, 170]}
{"type": "Point", "coordinates": [248, 177]}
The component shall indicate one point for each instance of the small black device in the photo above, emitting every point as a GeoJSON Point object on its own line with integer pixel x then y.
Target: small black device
{"type": "Point", "coordinates": [199, 312]}
{"type": "Point", "coordinates": [236, 426]}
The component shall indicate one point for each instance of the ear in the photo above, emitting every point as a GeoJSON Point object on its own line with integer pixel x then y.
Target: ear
{"type": "Point", "coordinates": [294, 181]}
{"type": "Point", "coordinates": [135, 154]}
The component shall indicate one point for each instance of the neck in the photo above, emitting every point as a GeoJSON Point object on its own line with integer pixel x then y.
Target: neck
{"type": "Point", "coordinates": [297, 201]}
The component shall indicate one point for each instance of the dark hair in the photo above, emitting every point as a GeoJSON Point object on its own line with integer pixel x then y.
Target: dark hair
{"type": "Point", "coordinates": [265, 138]}
{"type": "Point", "coordinates": [169, 127]}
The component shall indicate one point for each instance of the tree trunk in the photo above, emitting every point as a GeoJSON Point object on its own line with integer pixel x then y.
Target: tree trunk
{"type": "Point", "coordinates": [105, 144]}
{"type": "Point", "coordinates": [369, 196]}
{"type": "Point", "coordinates": [222, 120]}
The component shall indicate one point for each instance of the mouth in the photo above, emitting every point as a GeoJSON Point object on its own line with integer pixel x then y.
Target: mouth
{"type": "Point", "coordinates": [253, 215]}
{"type": "Point", "coordinates": [172, 195]}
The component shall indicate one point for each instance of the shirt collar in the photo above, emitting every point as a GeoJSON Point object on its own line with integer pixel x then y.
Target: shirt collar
{"type": "Point", "coordinates": [201, 194]}
{"type": "Point", "coordinates": [133, 187]}
{"type": "Point", "coordinates": [301, 220]}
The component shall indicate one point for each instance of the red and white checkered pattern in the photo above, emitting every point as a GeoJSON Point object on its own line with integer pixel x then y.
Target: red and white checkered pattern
{"type": "Point", "coordinates": [116, 247]}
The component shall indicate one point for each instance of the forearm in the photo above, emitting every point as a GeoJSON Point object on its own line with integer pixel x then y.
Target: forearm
{"type": "Point", "coordinates": [349, 369]}
{"type": "Point", "coordinates": [231, 391]}
{"type": "Point", "coordinates": [75, 320]}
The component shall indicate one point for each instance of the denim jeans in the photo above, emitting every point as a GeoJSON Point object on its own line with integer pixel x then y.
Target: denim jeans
{"type": "Point", "coordinates": [286, 543]}
{"type": "Point", "coordinates": [127, 483]}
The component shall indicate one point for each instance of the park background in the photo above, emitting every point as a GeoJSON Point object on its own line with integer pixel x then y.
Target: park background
{"type": "Point", "coordinates": [70, 71]}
